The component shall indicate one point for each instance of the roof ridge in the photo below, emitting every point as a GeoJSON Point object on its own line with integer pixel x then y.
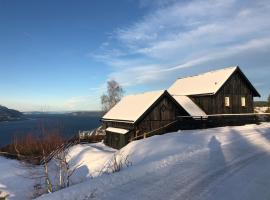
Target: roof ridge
{"type": "Point", "coordinates": [152, 91]}
{"type": "Point", "coordinates": [208, 72]}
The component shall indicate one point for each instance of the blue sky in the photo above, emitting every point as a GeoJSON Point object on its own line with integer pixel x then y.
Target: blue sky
{"type": "Point", "coordinates": [57, 55]}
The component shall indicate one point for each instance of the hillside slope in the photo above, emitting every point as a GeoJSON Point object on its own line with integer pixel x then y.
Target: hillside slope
{"type": "Point", "coordinates": [219, 163]}
{"type": "Point", "coordinates": [9, 114]}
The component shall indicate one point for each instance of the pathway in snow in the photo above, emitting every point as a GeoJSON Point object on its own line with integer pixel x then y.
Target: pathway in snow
{"type": "Point", "coordinates": [234, 169]}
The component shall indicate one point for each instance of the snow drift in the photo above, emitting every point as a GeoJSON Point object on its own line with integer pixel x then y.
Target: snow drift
{"type": "Point", "coordinates": [219, 163]}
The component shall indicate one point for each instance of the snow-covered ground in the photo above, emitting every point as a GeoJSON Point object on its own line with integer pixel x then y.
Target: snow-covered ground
{"type": "Point", "coordinates": [13, 179]}
{"type": "Point", "coordinates": [261, 109]}
{"type": "Point", "coordinates": [218, 163]}
{"type": "Point", "coordinates": [18, 180]}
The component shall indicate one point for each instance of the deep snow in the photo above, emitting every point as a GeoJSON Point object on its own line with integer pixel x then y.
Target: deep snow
{"type": "Point", "coordinates": [219, 163]}
{"type": "Point", "coordinates": [18, 180]}
{"type": "Point", "coordinates": [13, 179]}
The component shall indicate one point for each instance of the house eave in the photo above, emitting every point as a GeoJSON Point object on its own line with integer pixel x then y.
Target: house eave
{"type": "Point", "coordinates": [117, 120]}
{"type": "Point", "coordinates": [202, 94]}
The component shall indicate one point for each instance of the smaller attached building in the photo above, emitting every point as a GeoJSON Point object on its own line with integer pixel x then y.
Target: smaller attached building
{"type": "Point", "coordinates": [137, 114]}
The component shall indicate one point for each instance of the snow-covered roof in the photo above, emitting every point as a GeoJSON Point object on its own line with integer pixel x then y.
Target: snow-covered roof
{"type": "Point", "coordinates": [189, 106]}
{"type": "Point", "coordinates": [117, 130]}
{"type": "Point", "coordinates": [3, 194]}
{"type": "Point", "coordinates": [207, 83]}
{"type": "Point", "coordinates": [132, 107]}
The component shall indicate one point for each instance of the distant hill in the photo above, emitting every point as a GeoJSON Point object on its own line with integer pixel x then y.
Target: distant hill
{"type": "Point", "coordinates": [7, 114]}
{"type": "Point", "coordinates": [87, 113]}
{"type": "Point", "coordinates": [70, 113]}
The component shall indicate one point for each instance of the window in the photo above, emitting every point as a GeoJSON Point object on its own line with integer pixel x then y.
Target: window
{"type": "Point", "coordinates": [227, 101]}
{"type": "Point", "coordinates": [243, 101]}
{"type": "Point", "coordinates": [163, 108]}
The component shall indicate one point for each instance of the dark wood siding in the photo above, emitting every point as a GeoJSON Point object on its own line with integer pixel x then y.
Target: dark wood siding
{"type": "Point", "coordinates": [235, 88]}
{"type": "Point", "coordinates": [164, 112]}
{"type": "Point", "coordinates": [161, 113]}
{"type": "Point", "coordinates": [116, 140]}
{"type": "Point", "coordinates": [116, 124]}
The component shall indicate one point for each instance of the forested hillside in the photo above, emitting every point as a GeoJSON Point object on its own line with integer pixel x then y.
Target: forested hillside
{"type": "Point", "coordinates": [9, 114]}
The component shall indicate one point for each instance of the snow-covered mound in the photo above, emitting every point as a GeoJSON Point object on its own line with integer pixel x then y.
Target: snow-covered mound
{"type": "Point", "coordinates": [91, 159]}
{"type": "Point", "coordinates": [18, 179]}
{"type": "Point", "coordinates": [219, 163]}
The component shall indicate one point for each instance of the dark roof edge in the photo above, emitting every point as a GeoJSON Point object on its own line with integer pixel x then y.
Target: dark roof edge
{"type": "Point", "coordinates": [117, 120]}
{"type": "Point", "coordinates": [256, 93]}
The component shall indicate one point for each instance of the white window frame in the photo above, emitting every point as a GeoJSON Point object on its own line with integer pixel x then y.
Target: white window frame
{"type": "Point", "coordinates": [227, 101]}
{"type": "Point", "coordinates": [243, 101]}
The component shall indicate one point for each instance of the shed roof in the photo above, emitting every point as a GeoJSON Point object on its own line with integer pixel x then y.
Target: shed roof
{"type": "Point", "coordinates": [206, 83]}
{"type": "Point", "coordinates": [132, 107]}
{"type": "Point", "coordinates": [189, 106]}
{"type": "Point", "coordinates": [117, 130]}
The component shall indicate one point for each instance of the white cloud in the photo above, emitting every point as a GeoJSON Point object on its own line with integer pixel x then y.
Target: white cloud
{"type": "Point", "coordinates": [172, 32]}
{"type": "Point", "coordinates": [135, 75]}
{"type": "Point", "coordinates": [169, 21]}
{"type": "Point", "coordinates": [192, 33]}
{"type": "Point", "coordinates": [150, 73]}
{"type": "Point", "coordinates": [252, 45]}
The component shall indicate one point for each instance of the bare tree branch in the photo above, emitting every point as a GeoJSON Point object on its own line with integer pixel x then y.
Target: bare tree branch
{"type": "Point", "coordinates": [114, 94]}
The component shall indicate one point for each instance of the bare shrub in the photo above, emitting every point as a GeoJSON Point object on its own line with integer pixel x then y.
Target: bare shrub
{"type": "Point", "coordinates": [64, 169]}
{"type": "Point", "coordinates": [54, 175]}
{"type": "Point", "coordinates": [117, 163]}
{"type": "Point", "coordinates": [31, 148]}
{"type": "Point", "coordinates": [92, 138]}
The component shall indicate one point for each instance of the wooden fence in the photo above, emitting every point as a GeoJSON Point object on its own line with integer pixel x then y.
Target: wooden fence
{"type": "Point", "coordinates": [172, 126]}
{"type": "Point", "coordinates": [219, 120]}
{"type": "Point", "coordinates": [77, 139]}
{"type": "Point", "coordinates": [208, 121]}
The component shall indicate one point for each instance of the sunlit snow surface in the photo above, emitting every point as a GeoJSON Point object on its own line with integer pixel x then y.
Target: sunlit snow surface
{"type": "Point", "coordinates": [219, 163]}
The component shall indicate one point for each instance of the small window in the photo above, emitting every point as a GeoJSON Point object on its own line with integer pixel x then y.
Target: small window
{"type": "Point", "coordinates": [163, 108]}
{"type": "Point", "coordinates": [243, 101]}
{"type": "Point", "coordinates": [227, 101]}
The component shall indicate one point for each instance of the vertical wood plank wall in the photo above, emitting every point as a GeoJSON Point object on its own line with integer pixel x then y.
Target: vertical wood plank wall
{"type": "Point", "coordinates": [165, 112]}
{"type": "Point", "coordinates": [235, 88]}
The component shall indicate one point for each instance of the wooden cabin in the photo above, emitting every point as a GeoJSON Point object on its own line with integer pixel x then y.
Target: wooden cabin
{"type": "Point", "coordinates": [225, 91]}
{"type": "Point", "coordinates": [136, 114]}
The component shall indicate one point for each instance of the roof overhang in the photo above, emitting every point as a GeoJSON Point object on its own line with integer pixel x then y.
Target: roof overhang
{"type": "Point", "coordinates": [117, 130]}
{"type": "Point", "coordinates": [255, 92]}
{"type": "Point", "coordinates": [202, 94]}
{"type": "Point", "coordinates": [117, 120]}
